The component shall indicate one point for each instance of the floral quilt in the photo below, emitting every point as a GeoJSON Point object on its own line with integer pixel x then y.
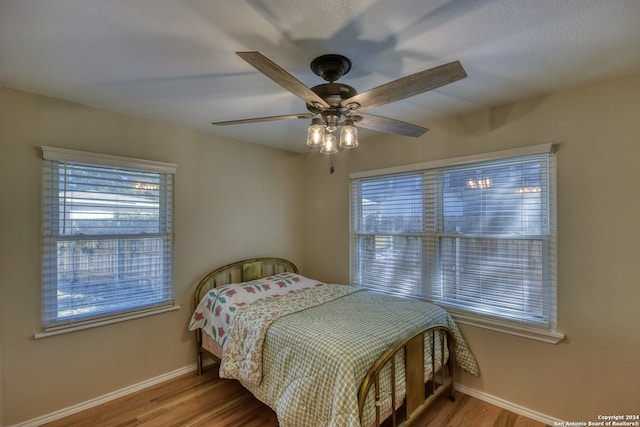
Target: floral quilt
{"type": "Point", "coordinates": [215, 312]}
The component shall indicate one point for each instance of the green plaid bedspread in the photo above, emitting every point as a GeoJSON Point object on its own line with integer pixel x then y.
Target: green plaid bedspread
{"type": "Point", "coordinates": [314, 360]}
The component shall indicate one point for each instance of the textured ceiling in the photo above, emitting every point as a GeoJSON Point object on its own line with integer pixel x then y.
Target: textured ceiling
{"type": "Point", "coordinates": [174, 61]}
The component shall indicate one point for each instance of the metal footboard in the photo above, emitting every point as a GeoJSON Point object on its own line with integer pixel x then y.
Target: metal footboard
{"type": "Point", "coordinates": [420, 392]}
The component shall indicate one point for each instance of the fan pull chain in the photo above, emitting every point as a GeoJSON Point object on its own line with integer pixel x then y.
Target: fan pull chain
{"type": "Point", "coordinates": [331, 169]}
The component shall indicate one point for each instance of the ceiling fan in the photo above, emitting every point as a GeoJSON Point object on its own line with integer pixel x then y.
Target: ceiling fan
{"type": "Point", "coordinates": [335, 105]}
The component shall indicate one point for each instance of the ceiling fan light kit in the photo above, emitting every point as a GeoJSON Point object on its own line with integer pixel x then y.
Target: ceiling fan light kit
{"type": "Point", "coordinates": [336, 106]}
{"type": "Point", "coordinates": [315, 133]}
{"type": "Point", "coordinates": [349, 134]}
{"type": "Point", "coordinates": [329, 144]}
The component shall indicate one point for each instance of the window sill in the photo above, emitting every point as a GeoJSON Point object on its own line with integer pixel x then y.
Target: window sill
{"type": "Point", "coordinates": [550, 337]}
{"type": "Point", "coordinates": [107, 321]}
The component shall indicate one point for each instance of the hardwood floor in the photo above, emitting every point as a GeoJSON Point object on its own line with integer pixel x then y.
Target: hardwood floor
{"type": "Point", "coordinates": [192, 400]}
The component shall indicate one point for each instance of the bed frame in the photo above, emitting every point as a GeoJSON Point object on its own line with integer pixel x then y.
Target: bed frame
{"type": "Point", "coordinates": [419, 394]}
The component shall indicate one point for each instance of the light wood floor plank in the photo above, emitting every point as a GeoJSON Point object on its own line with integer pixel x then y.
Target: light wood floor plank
{"type": "Point", "coordinates": [207, 401]}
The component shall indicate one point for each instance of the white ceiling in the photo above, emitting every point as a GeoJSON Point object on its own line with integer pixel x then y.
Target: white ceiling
{"type": "Point", "coordinates": [174, 60]}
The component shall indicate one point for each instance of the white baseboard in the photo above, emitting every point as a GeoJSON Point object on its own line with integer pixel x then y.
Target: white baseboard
{"type": "Point", "coordinates": [53, 416]}
{"type": "Point", "coordinates": [505, 404]}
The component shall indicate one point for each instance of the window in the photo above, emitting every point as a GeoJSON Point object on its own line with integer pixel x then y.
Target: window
{"type": "Point", "coordinates": [475, 235]}
{"type": "Point", "coordinates": [107, 238]}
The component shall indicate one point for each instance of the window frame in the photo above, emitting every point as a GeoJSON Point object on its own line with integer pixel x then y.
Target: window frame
{"type": "Point", "coordinates": [547, 332]}
{"type": "Point", "coordinates": [51, 324]}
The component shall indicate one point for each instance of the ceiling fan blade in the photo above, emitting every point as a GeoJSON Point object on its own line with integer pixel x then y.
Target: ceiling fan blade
{"type": "Point", "coordinates": [283, 78]}
{"type": "Point", "coordinates": [408, 86]}
{"type": "Point", "coordinates": [265, 119]}
{"type": "Point", "coordinates": [387, 125]}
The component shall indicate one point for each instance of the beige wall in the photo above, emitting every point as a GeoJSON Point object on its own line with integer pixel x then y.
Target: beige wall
{"type": "Point", "coordinates": [595, 369]}
{"type": "Point", "coordinates": [232, 200]}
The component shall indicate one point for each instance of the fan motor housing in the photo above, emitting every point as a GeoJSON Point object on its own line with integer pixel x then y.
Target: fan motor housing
{"type": "Point", "coordinates": [333, 94]}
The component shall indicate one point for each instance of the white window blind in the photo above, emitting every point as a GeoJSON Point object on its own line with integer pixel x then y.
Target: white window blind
{"type": "Point", "coordinates": [107, 237]}
{"type": "Point", "coordinates": [476, 237]}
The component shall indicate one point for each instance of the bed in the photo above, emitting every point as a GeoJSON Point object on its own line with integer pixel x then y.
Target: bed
{"type": "Point", "coordinates": [325, 354]}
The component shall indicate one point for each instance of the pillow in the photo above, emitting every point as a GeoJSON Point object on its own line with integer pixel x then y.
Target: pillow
{"type": "Point", "coordinates": [252, 270]}
{"type": "Point", "coordinates": [217, 307]}
{"type": "Point", "coordinates": [247, 292]}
